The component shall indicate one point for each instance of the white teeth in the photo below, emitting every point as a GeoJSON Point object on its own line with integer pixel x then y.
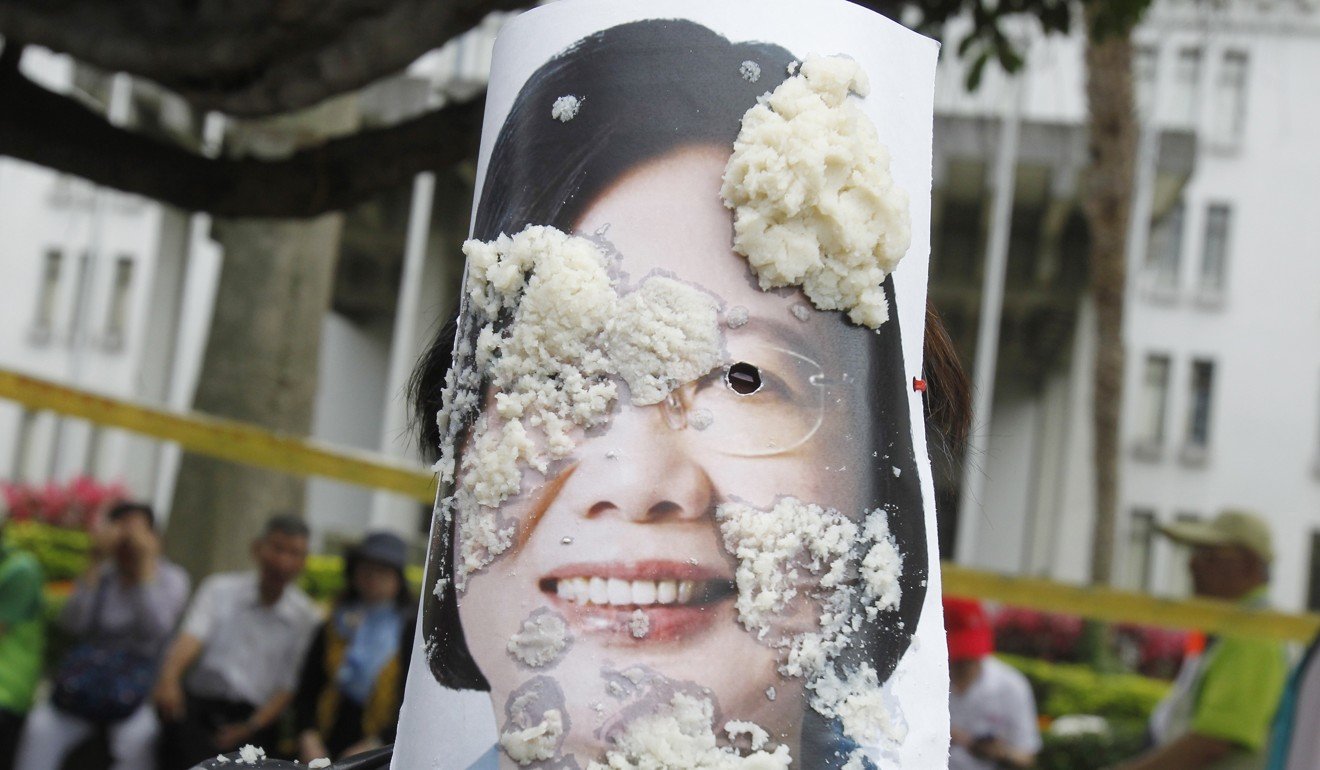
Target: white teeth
{"type": "Point", "coordinates": [599, 593]}
{"type": "Point", "coordinates": [643, 592]}
{"type": "Point", "coordinates": [620, 592]}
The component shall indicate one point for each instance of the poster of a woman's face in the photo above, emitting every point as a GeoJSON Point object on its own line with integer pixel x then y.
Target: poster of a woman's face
{"type": "Point", "coordinates": [693, 567]}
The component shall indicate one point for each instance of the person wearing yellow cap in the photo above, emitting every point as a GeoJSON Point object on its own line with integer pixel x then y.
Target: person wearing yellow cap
{"type": "Point", "coordinates": [1218, 714]}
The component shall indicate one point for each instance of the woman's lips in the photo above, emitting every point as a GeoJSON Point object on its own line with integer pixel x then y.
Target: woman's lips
{"type": "Point", "coordinates": [638, 601]}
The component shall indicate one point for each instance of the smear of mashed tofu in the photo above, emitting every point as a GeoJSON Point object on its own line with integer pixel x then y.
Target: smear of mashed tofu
{"type": "Point", "coordinates": [798, 549]}
{"type": "Point", "coordinates": [553, 337]}
{"type": "Point", "coordinates": [665, 334]}
{"type": "Point", "coordinates": [543, 636]}
{"type": "Point", "coordinates": [533, 743]}
{"type": "Point", "coordinates": [857, 700]}
{"type": "Point", "coordinates": [565, 108]}
{"type": "Point", "coordinates": [681, 735]}
{"type": "Point", "coordinates": [813, 201]}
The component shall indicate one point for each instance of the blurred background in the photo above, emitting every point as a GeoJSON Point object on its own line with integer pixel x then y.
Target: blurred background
{"type": "Point", "coordinates": [257, 217]}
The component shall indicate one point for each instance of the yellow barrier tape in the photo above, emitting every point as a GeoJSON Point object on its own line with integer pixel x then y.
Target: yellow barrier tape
{"type": "Point", "coordinates": [1107, 604]}
{"type": "Point", "coordinates": [251, 445]}
{"type": "Point", "coordinates": [224, 439]}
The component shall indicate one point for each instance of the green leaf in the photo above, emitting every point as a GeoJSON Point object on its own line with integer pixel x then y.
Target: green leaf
{"type": "Point", "coordinates": [1009, 58]}
{"type": "Point", "coordinates": [977, 70]}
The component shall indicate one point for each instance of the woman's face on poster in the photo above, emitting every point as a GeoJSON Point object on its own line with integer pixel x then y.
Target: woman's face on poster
{"type": "Point", "coordinates": [627, 524]}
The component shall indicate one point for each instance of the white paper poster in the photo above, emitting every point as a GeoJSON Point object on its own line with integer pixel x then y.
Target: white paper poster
{"type": "Point", "coordinates": [686, 514]}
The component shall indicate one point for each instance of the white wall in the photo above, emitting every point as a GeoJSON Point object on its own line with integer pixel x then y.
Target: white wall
{"type": "Point", "coordinates": [353, 368]}
{"type": "Point", "coordinates": [1264, 336]}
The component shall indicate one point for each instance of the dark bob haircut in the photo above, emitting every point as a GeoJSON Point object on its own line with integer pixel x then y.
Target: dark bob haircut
{"type": "Point", "coordinates": [542, 171]}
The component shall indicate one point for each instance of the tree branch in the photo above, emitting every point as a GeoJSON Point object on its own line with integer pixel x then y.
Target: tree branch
{"type": "Point", "coordinates": [57, 132]}
{"type": "Point", "coordinates": [247, 58]}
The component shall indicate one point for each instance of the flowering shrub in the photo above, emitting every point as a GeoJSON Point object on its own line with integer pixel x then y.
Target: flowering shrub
{"type": "Point", "coordinates": [1155, 652]}
{"type": "Point", "coordinates": [76, 504]}
{"type": "Point", "coordinates": [1042, 635]}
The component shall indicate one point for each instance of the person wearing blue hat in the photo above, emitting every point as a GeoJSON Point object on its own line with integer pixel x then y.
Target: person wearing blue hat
{"type": "Point", "coordinates": [351, 686]}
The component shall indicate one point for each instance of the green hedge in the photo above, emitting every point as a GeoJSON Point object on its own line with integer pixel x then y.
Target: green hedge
{"type": "Point", "coordinates": [63, 556]}
{"type": "Point", "coordinates": [1125, 739]}
{"type": "Point", "coordinates": [61, 552]}
{"type": "Point", "coordinates": [1074, 688]}
{"type": "Point", "coordinates": [1062, 689]}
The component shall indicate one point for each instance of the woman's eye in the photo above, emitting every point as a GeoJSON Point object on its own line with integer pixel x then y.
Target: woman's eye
{"type": "Point", "coordinates": [743, 378]}
{"type": "Point", "coordinates": [746, 379]}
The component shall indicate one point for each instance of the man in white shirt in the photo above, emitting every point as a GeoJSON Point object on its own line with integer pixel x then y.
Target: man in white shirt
{"type": "Point", "coordinates": [991, 709]}
{"type": "Point", "coordinates": [231, 671]}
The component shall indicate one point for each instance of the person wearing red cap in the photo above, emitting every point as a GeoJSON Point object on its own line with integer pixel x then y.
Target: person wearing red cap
{"type": "Point", "coordinates": [991, 709]}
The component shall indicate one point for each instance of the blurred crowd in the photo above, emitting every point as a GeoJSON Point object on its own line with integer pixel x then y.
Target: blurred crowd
{"type": "Point", "coordinates": [156, 679]}
{"type": "Point", "coordinates": [152, 678]}
{"type": "Point", "coordinates": [1234, 705]}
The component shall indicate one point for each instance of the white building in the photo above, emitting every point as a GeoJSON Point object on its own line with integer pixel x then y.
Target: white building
{"type": "Point", "coordinates": [113, 293]}
{"type": "Point", "coordinates": [91, 282]}
{"type": "Point", "coordinates": [1222, 395]}
{"type": "Point", "coordinates": [1222, 402]}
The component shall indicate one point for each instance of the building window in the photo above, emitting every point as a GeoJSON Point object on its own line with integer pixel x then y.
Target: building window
{"type": "Point", "coordinates": [116, 320]}
{"type": "Point", "coordinates": [1164, 252]}
{"type": "Point", "coordinates": [1145, 71]}
{"type": "Point", "coordinates": [43, 319]}
{"type": "Point", "coordinates": [1187, 79]}
{"type": "Point", "coordinates": [1214, 252]}
{"type": "Point", "coordinates": [1141, 535]}
{"type": "Point", "coordinates": [77, 324]}
{"type": "Point", "coordinates": [1154, 395]}
{"type": "Point", "coordinates": [1198, 411]}
{"type": "Point", "coordinates": [1230, 100]}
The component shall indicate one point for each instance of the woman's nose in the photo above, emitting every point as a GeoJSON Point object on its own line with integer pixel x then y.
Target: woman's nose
{"type": "Point", "coordinates": [640, 469]}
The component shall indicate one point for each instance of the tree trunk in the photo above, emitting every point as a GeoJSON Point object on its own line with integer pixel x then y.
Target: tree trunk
{"type": "Point", "coordinates": [261, 356]}
{"type": "Point", "coordinates": [1107, 207]}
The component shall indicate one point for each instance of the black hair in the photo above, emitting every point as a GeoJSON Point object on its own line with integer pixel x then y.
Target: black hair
{"type": "Point", "coordinates": [125, 508]}
{"type": "Point", "coordinates": [546, 172]}
{"type": "Point", "coordinates": [403, 598]}
{"type": "Point", "coordinates": [285, 524]}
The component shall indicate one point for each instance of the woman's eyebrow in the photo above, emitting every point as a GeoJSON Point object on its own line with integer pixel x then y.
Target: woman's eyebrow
{"type": "Point", "coordinates": [786, 335]}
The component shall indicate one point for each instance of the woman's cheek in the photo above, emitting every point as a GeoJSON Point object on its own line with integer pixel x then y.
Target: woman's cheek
{"type": "Point", "coordinates": [807, 475]}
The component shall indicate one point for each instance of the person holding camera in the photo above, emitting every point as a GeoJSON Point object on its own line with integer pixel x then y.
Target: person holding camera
{"type": "Point", "coordinates": [120, 616]}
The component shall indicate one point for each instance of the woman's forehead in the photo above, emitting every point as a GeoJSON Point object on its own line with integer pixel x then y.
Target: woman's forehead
{"type": "Point", "coordinates": [667, 216]}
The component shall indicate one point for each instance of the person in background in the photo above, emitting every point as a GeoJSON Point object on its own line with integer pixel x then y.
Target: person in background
{"type": "Point", "coordinates": [22, 640]}
{"type": "Point", "coordinates": [352, 681]}
{"type": "Point", "coordinates": [1219, 712]}
{"type": "Point", "coordinates": [121, 614]}
{"type": "Point", "coordinates": [992, 713]}
{"type": "Point", "coordinates": [231, 671]}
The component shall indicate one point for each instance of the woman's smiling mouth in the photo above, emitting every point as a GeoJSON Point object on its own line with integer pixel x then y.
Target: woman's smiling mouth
{"type": "Point", "coordinates": [638, 601]}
